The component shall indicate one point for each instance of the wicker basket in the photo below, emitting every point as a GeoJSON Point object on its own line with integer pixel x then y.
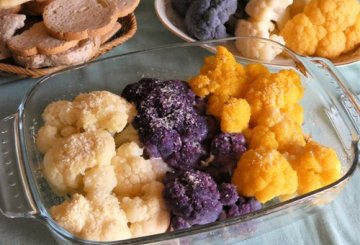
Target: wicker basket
{"type": "Point", "coordinates": [126, 32]}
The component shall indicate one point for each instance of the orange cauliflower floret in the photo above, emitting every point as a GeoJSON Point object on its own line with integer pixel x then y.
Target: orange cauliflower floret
{"type": "Point", "coordinates": [261, 137]}
{"type": "Point", "coordinates": [301, 35]}
{"type": "Point", "coordinates": [288, 133]}
{"type": "Point", "coordinates": [256, 70]}
{"type": "Point", "coordinates": [215, 104]}
{"type": "Point", "coordinates": [103, 110]}
{"type": "Point", "coordinates": [321, 29]}
{"type": "Point", "coordinates": [352, 35]}
{"type": "Point", "coordinates": [132, 170]}
{"type": "Point", "coordinates": [295, 113]}
{"type": "Point", "coordinates": [147, 213]}
{"type": "Point", "coordinates": [316, 166]}
{"type": "Point", "coordinates": [235, 116]}
{"type": "Point", "coordinates": [221, 75]}
{"type": "Point", "coordinates": [265, 174]}
{"type": "Point", "coordinates": [92, 219]}
{"type": "Point", "coordinates": [279, 90]}
{"type": "Point", "coordinates": [65, 164]}
{"type": "Point", "coordinates": [281, 136]}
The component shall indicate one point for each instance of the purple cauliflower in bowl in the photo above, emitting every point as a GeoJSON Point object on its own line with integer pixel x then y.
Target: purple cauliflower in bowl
{"type": "Point", "coordinates": [234, 204]}
{"type": "Point", "coordinates": [226, 150]}
{"type": "Point", "coordinates": [205, 19]}
{"type": "Point", "coordinates": [181, 6]}
{"type": "Point", "coordinates": [169, 122]}
{"type": "Point", "coordinates": [192, 198]}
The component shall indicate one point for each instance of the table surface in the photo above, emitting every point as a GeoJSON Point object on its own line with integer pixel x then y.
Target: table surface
{"type": "Point", "coordinates": [336, 223]}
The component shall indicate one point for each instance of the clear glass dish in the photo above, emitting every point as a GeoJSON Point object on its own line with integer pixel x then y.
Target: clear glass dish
{"type": "Point", "coordinates": [331, 118]}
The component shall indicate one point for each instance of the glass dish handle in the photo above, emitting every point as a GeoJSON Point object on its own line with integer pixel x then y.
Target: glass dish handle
{"type": "Point", "coordinates": [336, 81]}
{"type": "Point", "coordinates": [15, 196]}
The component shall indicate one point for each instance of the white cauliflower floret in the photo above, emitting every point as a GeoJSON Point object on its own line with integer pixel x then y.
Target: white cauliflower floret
{"type": "Point", "coordinates": [59, 114]}
{"type": "Point", "coordinates": [129, 134]}
{"type": "Point", "coordinates": [132, 170]}
{"type": "Point", "coordinates": [147, 213]}
{"type": "Point", "coordinates": [257, 49]}
{"type": "Point", "coordinates": [99, 181]}
{"type": "Point", "coordinates": [66, 162]}
{"type": "Point", "coordinates": [159, 167]}
{"type": "Point", "coordinates": [47, 136]}
{"type": "Point", "coordinates": [60, 119]}
{"type": "Point", "coordinates": [266, 10]}
{"type": "Point", "coordinates": [103, 110]}
{"type": "Point", "coordinates": [92, 219]}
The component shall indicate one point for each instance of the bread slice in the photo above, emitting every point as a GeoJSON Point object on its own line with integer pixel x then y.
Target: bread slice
{"type": "Point", "coordinates": [11, 3]}
{"type": "Point", "coordinates": [8, 26]}
{"type": "Point", "coordinates": [37, 41]}
{"type": "Point", "coordinates": [13, 10]}
{"type": "Point", "coordinates": [112, 32]}
{"type": "Point", "coordinates": [76, 20]}
{"type": "Point", "coordinates": [35, 7]}
{"type": "Point", "coordinates": [125, 7]}
{"type": "Point", "coordinates": [83, 52]}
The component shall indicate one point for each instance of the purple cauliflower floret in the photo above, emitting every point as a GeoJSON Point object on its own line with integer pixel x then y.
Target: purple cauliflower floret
{"type": "Point", "coordinates": [228, 194]}
{"type": "Point", "coordinates": [205, 19]}
{"type": "Point", "coordinates": [188, 156]}
{"type": "Point", "coordinates": [181, 6]}
{"type": "Point", "coordinates": [228, 145]}
{"type": "Point", "coordinates": [168, 122]}
{"type": "Point", "coordinates": [137, 91]}
{"type": "Point", "coordinates": [242, 206]}
{"type": "Point", "coordinates": [192, 198]}
{"type": "Point", "coordinates": [226, 150]}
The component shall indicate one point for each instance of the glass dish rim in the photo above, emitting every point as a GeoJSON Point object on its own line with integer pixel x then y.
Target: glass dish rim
{"type": "Point", "coordinates": [44, 215]}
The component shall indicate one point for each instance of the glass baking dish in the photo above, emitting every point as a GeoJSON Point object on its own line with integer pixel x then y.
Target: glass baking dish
{"type": "Point", "coordinates": [331, 118]}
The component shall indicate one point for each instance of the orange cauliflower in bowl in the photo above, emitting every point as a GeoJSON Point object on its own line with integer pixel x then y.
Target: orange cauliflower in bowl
{"type": "Point", "coordinates": [235, 116]}
{"type": "Point", "coordinates": [279, 90]}
{"type": "Point", "coordinates": [316, 166]}
{"type": "Point", "coordinates": [323, 28]}
{"type": "Point", "coordinates": [220, 75]}
{"type": "Point", "coordinates": [264, 174]}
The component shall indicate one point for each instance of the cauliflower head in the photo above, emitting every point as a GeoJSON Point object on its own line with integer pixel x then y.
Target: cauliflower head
{"type": "Point", "coordinates": [132, 170]}
{"type": "Point", "coordinates": [92, 219]}
{"type": "Point", "coordinates": [265, 10]}
{"type": "Point", "coordinates": [205, 19]}
{"type": "Point", "coordinates": [99, 181]}
{"type": "Point", "coordinates": [192, 197]}
{"type": "Point", "coordinates": [65, 164]}
{"type": "Point", "coordinates": [102, 110]}
{"type": "Point", "coordinates": [220, 75]}
{"type": "Point", "coordinates": [316, 166]}
{"type": "Point", "coordinates": [59, 122]}
{"type": "Point", "coordinates": [235, 116]}
{"type": "Point", "coordinates": [254, 48]}
{"type": "Point", "coordinates": [264, 174]}
{"type": "Point", "coordinates": [323, 28]}
{"type": "Point", "coordinates": [279, 90]}
{"type": "Point", "coordinates": [147, 212]}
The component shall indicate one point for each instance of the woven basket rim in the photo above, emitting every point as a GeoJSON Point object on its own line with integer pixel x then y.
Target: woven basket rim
{"type": "Point", "coordinates": [104, 48]}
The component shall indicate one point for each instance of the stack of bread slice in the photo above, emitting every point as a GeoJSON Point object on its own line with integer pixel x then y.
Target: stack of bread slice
{"type": "Point", "coordinates": [70, 32]}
